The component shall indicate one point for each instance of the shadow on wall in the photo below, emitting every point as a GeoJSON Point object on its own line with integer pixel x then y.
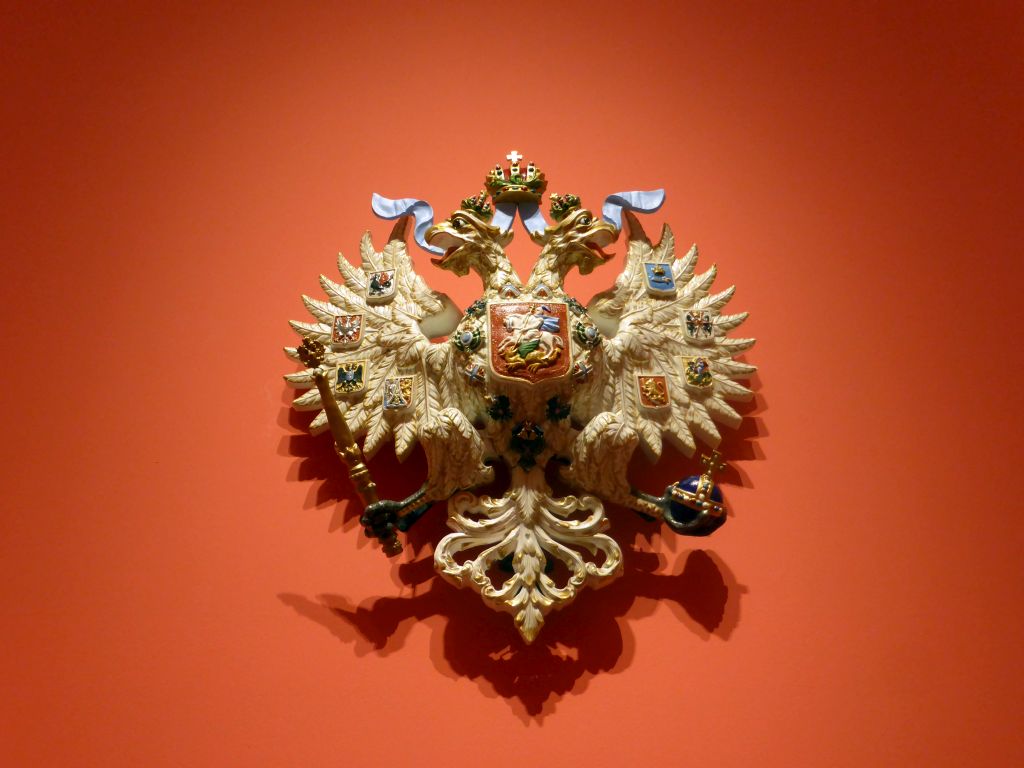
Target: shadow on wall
{"type": "Point", "coordinates": [470, 640]}
{"type": "Point", "coordinates": [589, 637]}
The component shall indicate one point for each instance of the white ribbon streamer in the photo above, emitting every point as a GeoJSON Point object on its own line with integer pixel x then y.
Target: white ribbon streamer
{"type": "Point", "coordinates": [504, 215]}
{"type": "Point", "coordinates": [640, 201]}
{"type": "Point", "coordinates": [530, 213]}
{"type": "Point", "coordinates": [532, 217]}
{"type": "Point", "coordinates": [420, 210]}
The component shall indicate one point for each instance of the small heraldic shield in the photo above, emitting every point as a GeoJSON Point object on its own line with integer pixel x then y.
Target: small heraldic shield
{"type": "Point", "coordinates": [529, 340]}
{"type": "Point", "coordinates": [347, 331]}
{"type": "Point", "coordinates": [699, 325]}
{"type": "Point", "coordinates": [659, 279]}
{"type": "Point", "coordinates": [653, 391]}
{"type": "Point", "coordinates": [351, 377]}
{"type": "Point", "coordinates": [380, 286]}
{"type": "Point", "coordinates": [698, 372]}
{"type": "Point", "coordinates": [398, 392]}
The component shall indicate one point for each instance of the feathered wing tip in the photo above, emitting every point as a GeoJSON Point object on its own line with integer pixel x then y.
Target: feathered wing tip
{"type": "Point", "coordinates": [371, 260]}
{"type": "Point", "coordinates": [601, 455]}
{"type": "Point", "coordinates": [392, 346]}
{"type": "Point", "coordinates": [455, 454]}
{"type": "Point", "coordinates": [636, 229]}
{"type": "Point", "coordinates": [400, 230]}
{"type": "Point", "coordinates": [650, 340]}
{"type": "Point", "coordinates": [355, 278]}
{"type": "Point", "coordinates": [683, 268]}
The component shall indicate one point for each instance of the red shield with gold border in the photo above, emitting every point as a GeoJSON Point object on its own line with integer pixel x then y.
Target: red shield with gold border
{"type": "Point", "coordinates": [529, 340]}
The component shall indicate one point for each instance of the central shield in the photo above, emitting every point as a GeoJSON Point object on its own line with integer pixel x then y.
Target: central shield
{"type": "Point", "coordinates": [529, 340]}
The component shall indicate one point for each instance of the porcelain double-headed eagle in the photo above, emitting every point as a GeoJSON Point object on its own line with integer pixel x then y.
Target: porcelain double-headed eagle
{"type": "Point", "coordinates": [526, 376]}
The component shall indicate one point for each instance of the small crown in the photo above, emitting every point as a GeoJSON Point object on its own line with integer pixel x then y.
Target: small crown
{"type": "Point", "coordinates": [563, 205]}
{"type": "Point", "coordinates": [515, 185]}
{"type": "Point", "coordinates": [478, 204]}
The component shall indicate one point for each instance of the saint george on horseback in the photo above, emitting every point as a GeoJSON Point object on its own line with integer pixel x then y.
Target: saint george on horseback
{"type": "Point", "coordinates": [533, 340]}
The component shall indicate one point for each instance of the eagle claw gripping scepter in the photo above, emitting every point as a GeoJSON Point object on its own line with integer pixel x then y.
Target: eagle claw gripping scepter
{"type": "Point", "coordinates": [380, 517]}
{"type": "Point", "coordinates": [529, 377]}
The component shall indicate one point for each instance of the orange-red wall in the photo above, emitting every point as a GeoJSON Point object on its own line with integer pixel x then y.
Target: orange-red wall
{"type": "Point", "coordinates": [184, 583]}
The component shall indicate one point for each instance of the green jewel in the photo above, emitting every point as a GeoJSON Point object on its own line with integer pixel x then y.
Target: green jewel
{"type": "Point", "coordinates": [574, 306]}
{"type": "Point", "coordinates": [467, 339]}
{"type": "Point", "coordinates": [557, 410]}
{"type": "Point", "coordinates": [500, 408]}
{"type": "Point", "coordinates": [587, 334]}
{"type": "Point", "coordinates": [477, 308]}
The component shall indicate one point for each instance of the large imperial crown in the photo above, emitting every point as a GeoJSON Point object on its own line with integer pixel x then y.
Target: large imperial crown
{"type": "Point", "coordinates": [515, 185]}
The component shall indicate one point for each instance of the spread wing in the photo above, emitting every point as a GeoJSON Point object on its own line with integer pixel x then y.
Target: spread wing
{"type": "Point", "coordinates": [649, 338]}
{"type": "Point", "coordinates": [395, 344]}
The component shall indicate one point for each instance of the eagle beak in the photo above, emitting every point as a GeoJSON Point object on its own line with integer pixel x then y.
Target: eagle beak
{"type": "Point", "coordinates": [442, 236]}
{"type": "Point", "coordinates": [602, 235]}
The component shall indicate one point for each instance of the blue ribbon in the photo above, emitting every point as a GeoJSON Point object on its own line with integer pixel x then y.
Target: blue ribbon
{"type": "Point", "coordinates": [420, 210]}
{"type": "Point", "coordinates": [505, 213]}
{"type": "Point", "coordinates": [642, 202]}
{"type": "Point", "coordinates": [530, 213]}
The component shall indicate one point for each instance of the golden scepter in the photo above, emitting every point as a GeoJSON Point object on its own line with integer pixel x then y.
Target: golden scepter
{"type": "Point", "coordinates": [312, 353]}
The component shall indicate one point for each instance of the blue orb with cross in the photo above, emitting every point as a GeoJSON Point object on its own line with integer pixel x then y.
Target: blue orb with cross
{"type": "Point", "coordinates": [686, 505]}
{"type": "Point", "coordinates": [696, 495]}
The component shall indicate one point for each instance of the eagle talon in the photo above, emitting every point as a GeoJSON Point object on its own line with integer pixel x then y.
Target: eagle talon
{"type": "Point", "coordinates": [691, 507]}
{"type": "Point", "coordinates": [381, 518]}
{"type": "Point", "coordinates": [406, 521]}
{"type": "Point", "coordinates": [687, 521]}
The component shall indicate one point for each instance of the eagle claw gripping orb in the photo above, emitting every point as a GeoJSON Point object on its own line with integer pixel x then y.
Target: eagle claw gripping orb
{"type": "Point", "coordinates": [527, 376]}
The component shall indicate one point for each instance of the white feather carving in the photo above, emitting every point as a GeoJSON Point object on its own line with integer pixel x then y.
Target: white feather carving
{"type": "Point", "coordinates": [393, 345]}
{"type": "Point", "coordinates": [528, 528]}
{"type": "Point", "coordinates": [651, 340]}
